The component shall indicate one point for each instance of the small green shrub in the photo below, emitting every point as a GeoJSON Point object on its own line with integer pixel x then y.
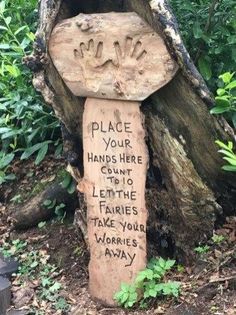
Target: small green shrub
{"type": "Point", "coordinates": [217, 239]}
{"type": "Point", "coordinates": [59, 209]}
{"type": "Point", "coordinates": [148, 285]}
{"type": "Point", "coordinates": [203, 249]}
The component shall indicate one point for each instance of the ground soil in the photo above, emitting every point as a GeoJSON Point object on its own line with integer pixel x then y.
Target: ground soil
{"type": "Point", "coordinates": [208, 287]}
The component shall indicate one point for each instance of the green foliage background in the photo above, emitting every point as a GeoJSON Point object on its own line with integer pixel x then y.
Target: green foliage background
{"type": "Point", "coordinates": [208, 28]}
{"type": "Point", "coordinates": [27, 126]}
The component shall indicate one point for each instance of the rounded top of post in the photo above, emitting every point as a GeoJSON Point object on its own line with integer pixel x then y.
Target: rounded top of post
{"type": "Point", "coordinates": [111, 55]}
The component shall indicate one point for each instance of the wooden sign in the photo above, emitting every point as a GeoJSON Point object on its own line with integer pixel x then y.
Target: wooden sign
{"type": "Point", "coordinates": [114, 56]}
{"type": "Point", "coordinates": [115, 162]}
{"type": "Point", "coordinates": [111, 56]}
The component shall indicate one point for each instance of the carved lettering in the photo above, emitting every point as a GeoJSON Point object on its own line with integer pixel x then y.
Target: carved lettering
{"type": "Point", "coordinates": [115, 160]}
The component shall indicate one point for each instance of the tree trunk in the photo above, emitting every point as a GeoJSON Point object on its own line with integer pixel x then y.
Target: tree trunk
{"type": "Point", "coordinates": [186, 189]}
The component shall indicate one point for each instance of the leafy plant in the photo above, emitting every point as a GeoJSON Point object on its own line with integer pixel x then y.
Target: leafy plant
{"type": "Point", "coordinates": [202, 249]}
{"type": "Point", "coordinates": [13, 248]}
{"type": "Point", "coordinates": [229, 155]}
{"type": "Point", "coordinates": [148, 284]}
{"type": "Point", "coordinates": [217, 239]}
{"type": "Point", "coordinates": [226, 97]}
{"type": "Point", "coordinates": [23, 116]}
{"type": "Point", "coordinates": [34, 265]}
{"type": "Point", "coordinates": [58, 208]}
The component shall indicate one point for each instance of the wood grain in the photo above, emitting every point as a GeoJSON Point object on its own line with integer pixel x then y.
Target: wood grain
{"type": "Point", "coordinates": [113, 55]}
{"type": "Point", "coordinates": [115, 165]}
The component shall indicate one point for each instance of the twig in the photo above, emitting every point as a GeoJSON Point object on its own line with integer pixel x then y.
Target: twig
{"type": "Point", "coordinates": [233, 277]}
{"type": "Point", "coordinates": [108, 309]}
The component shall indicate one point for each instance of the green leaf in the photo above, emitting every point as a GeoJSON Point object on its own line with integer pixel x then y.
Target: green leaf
{"type": "Point", "coordinates": [34, 264]}
{"type": "Point", "coordinates": [47, 202]}
{"type": "Point", "coordinates": [133, 296]}
{"type": "Point", "coordinates": [55, 287]}
{"type": "Point", "coordinates": [228, 153]}
{"type": "Point", "coordinates": [42, 224]}
{"type": "Point", "coordinates": [234, 120]}
{"type": "Point", "coordinates": [31, 36]}
{"type": "Point", "coordinates": [197, 31]}
{"type": "Point", "coordinates": [118, 295]}
{"type": "Point", "coordinates": [71, 188]}
{"type": "Point", "coordinates": [205, 68]}
{"type": "Point", "coordinates": [219, 110]}
{"type": "Point", "coordinates": [124, 287]}
{"type": "Point", "coordinates": [162, 262]}
{"type": "Point", "coordinates": [5, 46]}
{"type": "Point", "coordinates": [229, 168]}
{"type": "Point", "coordinates": [124, 297]}
{"type": "Point", "coordinates": [41, 154]}
{"type": "Point", "coordinates": [13, 70]}
{"type": "Point", "coordinates": [31, 150]}
{"type": "Point", "coordinates": [131, 303]}
{"type": "Point", "coordinates": [2, 7]}
{"type": "Point", "coordinates": [220, 92]}
{"type": "Point", "coordinates": [8, 20]}
{"type": "Point", "coordinates": [226, 77]}
{"type": "Point", "coordinates": [169, 264]}
{"type": "Point", "coordinates": [222, 145]}
{"type": "Point", "coordinates": [5, 160]}
{"type": "Point", "coordinates": [230, 145]}
{"type": "Point", "coordinates": [159, 287]}
{"type": "Point", "coordinates": [152, 292]}
{"type": "Point", "coordinates": [3, 28]}
{"type": "Point", "coordinates": [66, 181]}
{"type": "Point", "coordinates": [222, 101]}
{"type": "Point", "coordinates": [10, 177]}
{"type": "Point", "coordinates": [20, 29]}
{"type": "Point", "coordinates": [231, 161]}
{"type": "Point", "coordinates": [231, 85]}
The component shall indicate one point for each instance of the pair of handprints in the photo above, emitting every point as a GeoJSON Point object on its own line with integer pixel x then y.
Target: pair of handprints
{"type": "Point", "coordinates": [92, 54]}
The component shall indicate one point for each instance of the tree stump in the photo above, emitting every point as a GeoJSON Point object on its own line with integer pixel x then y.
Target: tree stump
{"type": "Point", "coordinates": [186, 190]}
{"type": "Point", "coordinates": [113, 60]}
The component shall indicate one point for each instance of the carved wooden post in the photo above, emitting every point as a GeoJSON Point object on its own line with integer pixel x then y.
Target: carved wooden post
{"type": "Point", "coordinates": [116, 60]}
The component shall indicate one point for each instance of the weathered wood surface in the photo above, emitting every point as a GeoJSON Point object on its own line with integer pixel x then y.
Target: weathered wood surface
{"type": "Point", "coordinates": [112, 55]}
{"type": "Point", "coordinates": [5, 295]}
{"type": "Point", "coordinates": [115, 165]}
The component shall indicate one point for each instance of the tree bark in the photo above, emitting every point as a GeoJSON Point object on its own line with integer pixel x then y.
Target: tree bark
{"type": "Point", "coordinates": [186, 189]}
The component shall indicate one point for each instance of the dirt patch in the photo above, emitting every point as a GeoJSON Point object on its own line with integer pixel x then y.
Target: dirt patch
{"type": "Point", "coordinates": [208, 287]}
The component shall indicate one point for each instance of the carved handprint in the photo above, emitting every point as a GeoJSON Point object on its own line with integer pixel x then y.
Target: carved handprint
{"type": "Point", "coordinates": [90, 54]}
{"type": "Point", "coordinates": [132, 54]}
{"type": "Point", "coordinates": [91, 60]}
{"type": "Point", "coordinates": [129, 65]}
